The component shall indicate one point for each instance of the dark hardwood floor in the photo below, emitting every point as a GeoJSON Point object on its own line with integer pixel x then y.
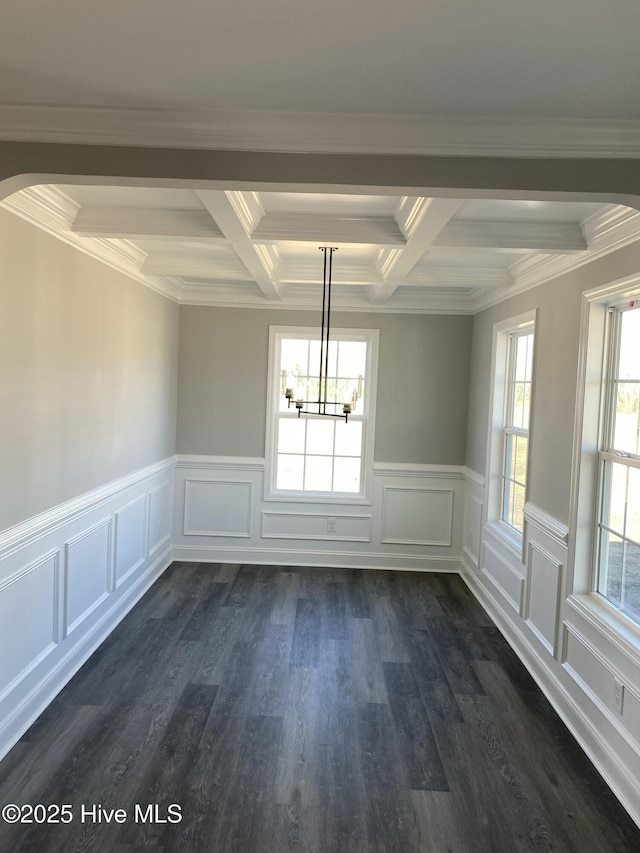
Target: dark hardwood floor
{"type": "Point", "coordinates": [308, 710]}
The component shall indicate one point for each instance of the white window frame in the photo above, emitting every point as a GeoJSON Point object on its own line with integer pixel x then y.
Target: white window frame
{"type": "Point", "coordinates": [589, 437]}
{"type": "Point", "coordinates": [609, 454]}
{"type": "Point", "coordinates": [510, 431]}
{"type": "Point", "coordinates": [365, 496]}
{"type": "Point", "coordinates": [498, 403]}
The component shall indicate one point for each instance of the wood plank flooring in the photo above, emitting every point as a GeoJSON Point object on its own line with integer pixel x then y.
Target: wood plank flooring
{"type": "Point", "coordinates": [314, 710]}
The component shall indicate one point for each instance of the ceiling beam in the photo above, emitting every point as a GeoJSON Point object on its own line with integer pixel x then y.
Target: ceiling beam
{"type": "Point", "coordinates": [327, 229]}
{"type": "Point", "coordinates": [237, 214]}
{"type": "Point", "coordinates": [183, 266]}
{"type": "Point", "coordinates": [304, 271]}
{"type": "Point", "coordinates": [420, 220]}
{"type": "Point", "coordinates": [434, 275]}
{"type": "Point", "coordinates": [508, 235]}
{"type": "Point", "coordinates": [125, 222]}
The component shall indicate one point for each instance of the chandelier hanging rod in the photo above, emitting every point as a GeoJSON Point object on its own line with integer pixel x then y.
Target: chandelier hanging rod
{"type": "Point", "coordinates": [323, 373]}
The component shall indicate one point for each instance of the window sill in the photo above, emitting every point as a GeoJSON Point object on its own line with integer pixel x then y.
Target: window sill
{"type": "Point", "coordinates": [620, 630]}
{"type": "Point", "coordinates": [318, 498]}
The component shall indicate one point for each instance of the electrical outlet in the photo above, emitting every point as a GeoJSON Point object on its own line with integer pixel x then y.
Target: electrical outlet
{"type": "Point", "coordinates": [331, 525]}
{"type": "Point", "coordinates": [618, 694]}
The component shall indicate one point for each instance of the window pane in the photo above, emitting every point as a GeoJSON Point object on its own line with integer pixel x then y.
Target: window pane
{"type": "Point", "coordinates": [611, 554]}
{"type": "Point", "coordinates": [627, 424]}
{"type": "Point", "coordinates": [613, 510]}
{"type": "Point", "coordinates": [633, 505]}
{"type": "Point", "coordinates": [348, 438]}
{"type": "Point", "coordinates": [320, 436]}
{"type": "Point", "coordinates": [629, 362]}
{"type": "Point", "coordinates": [513, 504]}
{"type": "Point", "coordinates": [314, 358]}
{"type": "Point", "coordinates": [520, 467]}
{"type": "Point", "coordinates": [317, 474]}
{"type": "Point", "coordinates": [509, 455]}
{"type": "Point", "coordinates": [283, 404]}
{"type": "Point", "coordinates": [523, 361]}
{"type": "Point", "coordinates": [631, 591]}
{"type": "Point", "coordinates": [294, 355]}
{"type": "Point", "coordinates": [516, 457]}
{"type": "Point", "coordinates": [352, 358]}
{"type": "Point", "coordinates": [346, 475]}
{"type": "Point", "coordinates": [291, 435]}
{"type": "Point", "coordinates": [290, 470]}
{"type": "Point", "coordinates": [521, 398]}
{"type": "Point", "coordinates": [294, 363]}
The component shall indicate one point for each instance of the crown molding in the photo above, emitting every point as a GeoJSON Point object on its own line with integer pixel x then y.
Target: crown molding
{"type": "Point", "coordinates": [612, 228]}
{"type": "Point", "coordinates": [306, 132]}
{"type": "Point", "coordinates": [50, 209]}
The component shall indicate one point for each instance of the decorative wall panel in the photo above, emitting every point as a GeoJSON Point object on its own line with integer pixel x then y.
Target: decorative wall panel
{"type": "Point", "coordinates": [29, 623]}
{"type": "Point", "coordinates": [412, 515]}
{"type": "Point", "coordinates": [217, 508]}
{"type": "Point", "coordinates": [542, 599]}
{"type": "Point", "coordinates": [87, 573]}
{"type": "Point", "coordinates": [131, 538]}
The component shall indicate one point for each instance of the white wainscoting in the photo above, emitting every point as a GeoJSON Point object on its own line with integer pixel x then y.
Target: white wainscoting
{"type": "Point", "coordinates": [88, 573]}
{"type": "Point", "coordinates": [415, 515]}
{"type": "Point", "coordinates": [563, 642]}
{"type": "Point", "coordinates": [67, 577]}
{"type": "Point", "coordinates": [413, 522]}
{"type": "Point", "coordinates": [314, 526]}
{"type": "Point", "coordinates": [502, 572]}
{"type": "Point", "coordinates": [542, 605]}
{"type": "Point", "coordinates": [217, 508]}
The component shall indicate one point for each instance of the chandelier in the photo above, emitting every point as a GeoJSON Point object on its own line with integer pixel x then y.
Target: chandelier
{"type": "Point", "coordinates": [345, 391]}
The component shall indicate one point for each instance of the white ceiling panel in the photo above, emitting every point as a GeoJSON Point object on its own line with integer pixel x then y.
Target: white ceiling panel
{"type": "Point", "coordinates": [531, 210]}
{"type": "Point", "coordinates": [123, 196]}
{"type": "Point", "coordinates": [578, 58]}
{"type": "Point", "coordinates": [330, 203]}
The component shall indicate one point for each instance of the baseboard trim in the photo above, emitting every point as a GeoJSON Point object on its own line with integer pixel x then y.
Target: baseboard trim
{"type": "Point", "coordinates": [30, 708]}
{"type": "Point", "coordinates": [315, 558]}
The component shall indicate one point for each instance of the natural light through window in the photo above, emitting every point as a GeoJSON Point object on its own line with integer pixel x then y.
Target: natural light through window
{"type": "Point", "coordinates": [320, 455]}
{"type": "Point", "coordinates": [619, 526]}
{"type": "Point", "coordinates": [516, 431]}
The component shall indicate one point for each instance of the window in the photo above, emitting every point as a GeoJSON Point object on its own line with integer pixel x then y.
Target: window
{"type": "Point", "coordinates": [516, 426]}
{"type": "Point", "coordinates": [618, 529]}
{"type": "Point", "coordinates": [509, 426]}
{"type": "Point", "coordinates": [319, 457]}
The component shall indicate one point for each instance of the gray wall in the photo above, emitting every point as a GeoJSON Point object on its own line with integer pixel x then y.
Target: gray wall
{"type": "Point", "coordinates": [423, 381]}
{"type": "Point", "coordinates": [558, 330]}
{"type": "Point", "coordinates": [88, 361]}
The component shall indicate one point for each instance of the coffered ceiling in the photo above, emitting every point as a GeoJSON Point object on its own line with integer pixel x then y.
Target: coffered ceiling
{"type": "Point", "coordinates": [260, 247]}
{"type": "Point", "coordinates": [443, 77]}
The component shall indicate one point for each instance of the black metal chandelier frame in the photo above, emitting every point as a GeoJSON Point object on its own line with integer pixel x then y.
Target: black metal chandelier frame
{"type": "Point", "coordinates": [325, 329]}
